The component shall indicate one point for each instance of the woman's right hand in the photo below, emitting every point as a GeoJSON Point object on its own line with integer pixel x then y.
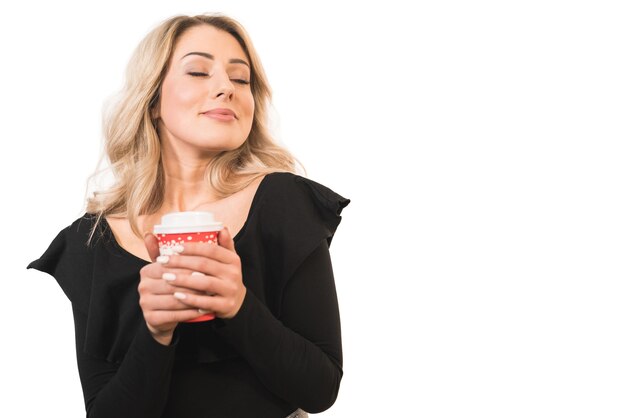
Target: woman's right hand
{"type": "Point", "coordinates": [161, 311]}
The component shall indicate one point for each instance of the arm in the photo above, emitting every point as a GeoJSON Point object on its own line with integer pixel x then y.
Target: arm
{"type": "Point", "coordinates": [136, 387]}
{"type": "Point", "coordinates": [298, 357]}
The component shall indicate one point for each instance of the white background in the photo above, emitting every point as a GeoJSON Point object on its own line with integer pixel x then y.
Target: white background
{"type": "Point", "coordinates": [480, 266]}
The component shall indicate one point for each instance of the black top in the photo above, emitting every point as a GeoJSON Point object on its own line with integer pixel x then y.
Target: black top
{"type": "Point", "coordinates": [281, 351]}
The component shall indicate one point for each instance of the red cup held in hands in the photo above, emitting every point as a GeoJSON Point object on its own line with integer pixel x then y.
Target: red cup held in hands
{"type": "Point", "coordinates": [176, 228]}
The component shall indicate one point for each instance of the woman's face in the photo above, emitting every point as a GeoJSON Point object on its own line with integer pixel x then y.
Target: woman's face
{"type": "Point", "coordinates": [208, 71]}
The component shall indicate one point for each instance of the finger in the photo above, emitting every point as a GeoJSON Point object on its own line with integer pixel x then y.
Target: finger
{"type": "Point", "coordinates": [154, 287]}
{"type": "Point", "coordinates": [208, 250]}
{"type": "Point", "coordinates": [215, 304]}
{"type": "Point", "coordinates": [190, 263]}
{"type": "Point", "coordinates": [158, 318]}
{"type": "Point", "coordinates": [152, 245]}
{"type": "Point", "coordinates": [200, 283]}
{"type": "Point", "coordinates": [153, 271]}
{"type": "Point", "coordinates": [161, 283]}
{"type": "Point", "coordinates": [164, 302]}
{"type": "Point", "coordinates": [225, 239]}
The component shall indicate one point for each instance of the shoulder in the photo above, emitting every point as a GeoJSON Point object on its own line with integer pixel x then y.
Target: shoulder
{"type": "Point", "coordinates": [296, 208]}
{"type": "Point", "coordinates": [288, 195]}
{"type": "Point", "coordinates": [287, 181]}
{"type": "Point", "coordinates": [297, 215]}
{"type": "Point", "coordinates": [81, 235]}
{"type": "Point", "coordinates": [71, 239]}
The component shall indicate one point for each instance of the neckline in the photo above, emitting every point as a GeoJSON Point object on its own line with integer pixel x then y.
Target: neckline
{"type": "Point", "coordinates": [236, 238]}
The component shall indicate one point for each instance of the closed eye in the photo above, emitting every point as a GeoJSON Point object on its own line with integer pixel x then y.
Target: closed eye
{"type": "Point", "coordinates": [237, 80]}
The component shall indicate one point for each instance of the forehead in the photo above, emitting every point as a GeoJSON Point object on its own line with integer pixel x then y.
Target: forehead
{"type": "Point", "coordinates": [206, 38]}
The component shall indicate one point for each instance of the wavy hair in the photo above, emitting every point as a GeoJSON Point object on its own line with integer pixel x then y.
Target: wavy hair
{"type": "Point", "coordinates": [132, 144]}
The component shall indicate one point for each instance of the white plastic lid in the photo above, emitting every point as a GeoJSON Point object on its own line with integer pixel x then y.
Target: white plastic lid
{"type": "Point", "coordinates": [180, 222]}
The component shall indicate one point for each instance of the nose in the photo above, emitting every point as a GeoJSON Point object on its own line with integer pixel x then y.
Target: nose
{"type": "Point", "coordinates": [222, 87]}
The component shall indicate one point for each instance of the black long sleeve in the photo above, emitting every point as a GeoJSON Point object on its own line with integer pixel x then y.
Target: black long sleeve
{"type": "Point", "coordinates": [138, 387]}
{"type": "Point", "coordinates": [298, 356]}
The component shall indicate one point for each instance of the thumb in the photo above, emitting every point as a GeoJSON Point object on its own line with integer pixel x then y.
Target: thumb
{"type": "Point", "coordinates": [152, 244]}
{"type": "Point", "coordinates": [225, 240]}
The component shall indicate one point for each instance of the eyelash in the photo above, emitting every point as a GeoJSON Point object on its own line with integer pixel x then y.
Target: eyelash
{"type": "Point", "coordinates": [205, 74]}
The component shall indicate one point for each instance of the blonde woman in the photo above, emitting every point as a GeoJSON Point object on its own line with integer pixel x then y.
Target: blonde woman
{"type": "Point", "coordinates": [188, 133]}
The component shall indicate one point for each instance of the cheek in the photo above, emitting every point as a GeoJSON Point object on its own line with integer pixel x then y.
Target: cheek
{"type": "Point", "coordinates": [249, 105]}
{"type": "Point", "coordinates": [175, 97]}
{"type": "Point", "coordinates": [185, 95]}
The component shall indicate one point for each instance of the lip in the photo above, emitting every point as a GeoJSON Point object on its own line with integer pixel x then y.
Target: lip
{"type": "Point", "coordinates": [221, 114]}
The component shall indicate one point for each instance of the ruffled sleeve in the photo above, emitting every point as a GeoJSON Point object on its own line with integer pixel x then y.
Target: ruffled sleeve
{"type": "Point", "coordinates": [101, 283]}
{"type": "Point", "coordinates": [298, 214]}
{"type": "Point", "coordinates": [69, 260]}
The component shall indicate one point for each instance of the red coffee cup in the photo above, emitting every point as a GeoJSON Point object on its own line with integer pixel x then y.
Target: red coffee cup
{"type": "Point", "coordinates": [176, 228]}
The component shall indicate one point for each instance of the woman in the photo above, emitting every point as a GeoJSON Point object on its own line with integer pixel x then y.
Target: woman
{"type": "Point", "coordinates": [189, 134]}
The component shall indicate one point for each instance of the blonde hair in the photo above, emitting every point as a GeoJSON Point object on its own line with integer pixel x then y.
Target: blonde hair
{"type": "Point", "coordinates": [132, 143]}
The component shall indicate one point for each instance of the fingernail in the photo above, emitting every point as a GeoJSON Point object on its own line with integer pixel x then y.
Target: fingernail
{"type": "Point", "coordinates": [163, 259]}
{"type": "Point", "coordinates": [179, 295]}
{"type": "Point", "coordinates": [179, 248]}
{"type": "Point", "coordinates": [168, 276]}
{"type": "Point", "coordinates": [197, 273]}
{"type": "Point", "coordinates": [166, 251]}
{"type": "Point", "coordinates": [202, 311]}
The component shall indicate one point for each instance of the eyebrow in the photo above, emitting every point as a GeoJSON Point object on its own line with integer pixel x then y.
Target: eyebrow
{"type": "Point", "coordinates": [211, 57]}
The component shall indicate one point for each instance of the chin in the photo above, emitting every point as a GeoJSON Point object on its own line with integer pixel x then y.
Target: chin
{"type": "Point", "coordinates": [216, 148]}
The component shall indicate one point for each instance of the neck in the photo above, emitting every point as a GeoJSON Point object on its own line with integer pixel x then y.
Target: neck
{"type": "Point", "coordinates": [186, 187]}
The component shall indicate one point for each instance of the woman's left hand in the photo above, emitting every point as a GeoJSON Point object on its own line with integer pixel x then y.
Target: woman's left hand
{"type": "Point", "coordinates": [212, 270]}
